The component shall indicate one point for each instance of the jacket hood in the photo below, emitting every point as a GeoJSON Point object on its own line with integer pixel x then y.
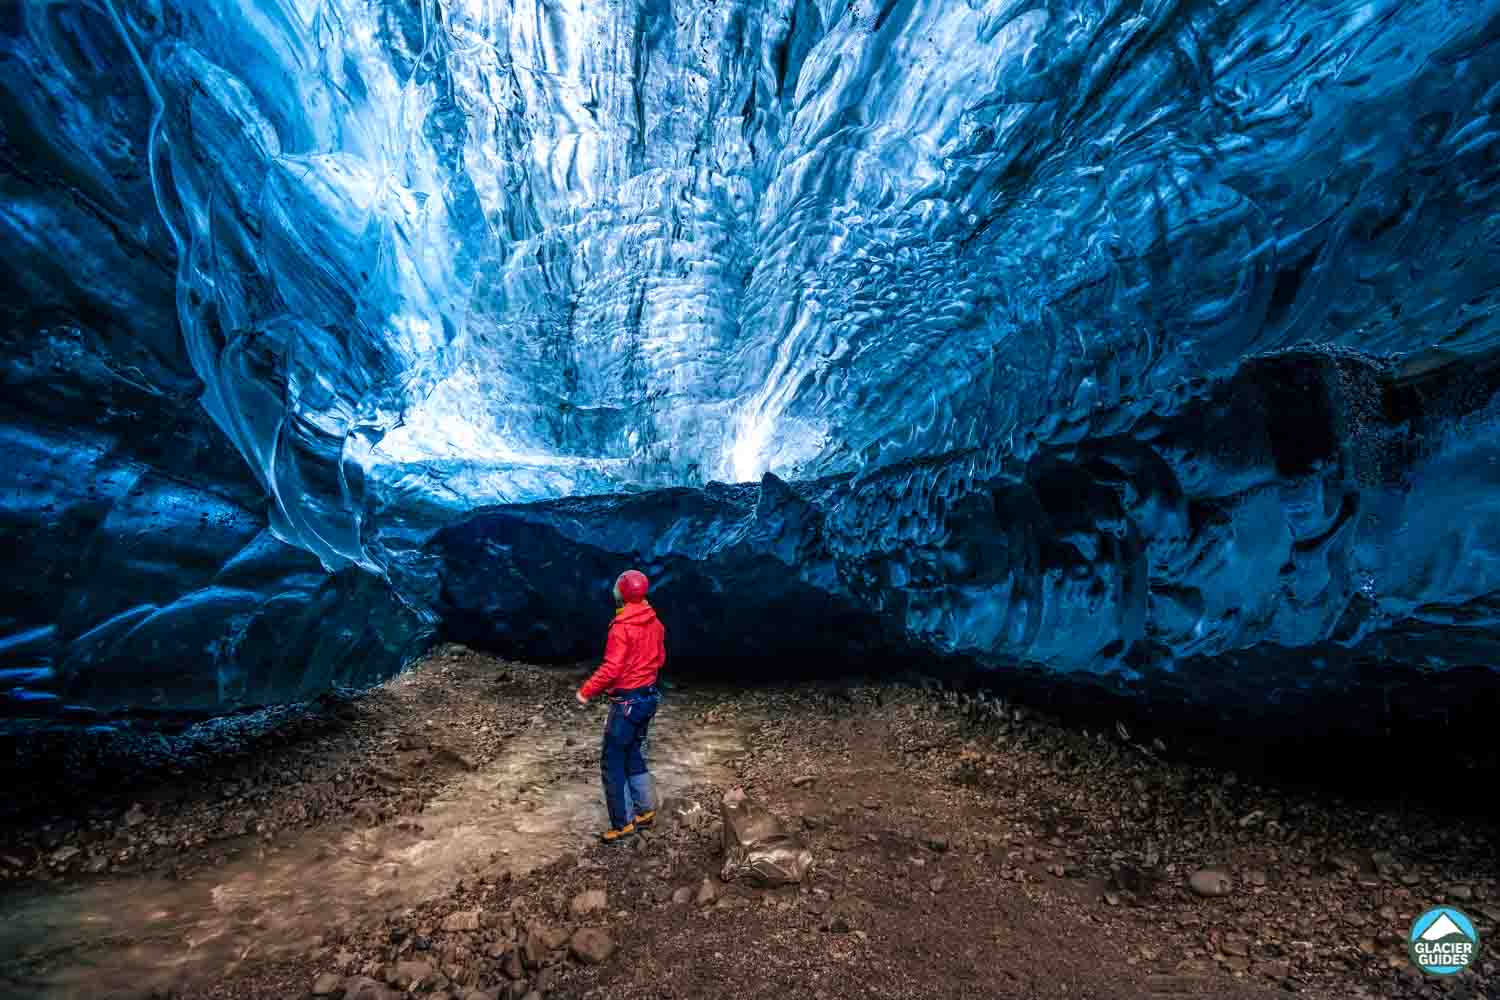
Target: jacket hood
{"type": "Point", "coordinates": [634, 613]}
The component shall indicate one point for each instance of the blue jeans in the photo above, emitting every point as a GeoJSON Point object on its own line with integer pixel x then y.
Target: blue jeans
{"type": "Point", "coordinates": [622, 761]}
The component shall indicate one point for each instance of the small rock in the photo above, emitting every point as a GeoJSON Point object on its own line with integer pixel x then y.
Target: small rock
{"type": "Point", "coordinates": [1210, 883]}
{"type": "Point", "coordinates": [1256, 877]}
{"type": "Point", "coordinates": [839, 924]}
{"type": "Point", "coordinates": [937, 884]}
{"type": "Point", "coordinates": [364, 988]}
{"type": "Point", "coordinates": [1346, 863]}
{"type": "Point", "coordinates": [135, 816]}
{"type": "Point", "coordinates": [554, 938]}
{"type": "Point", "coordinates": [589, 902]}
{"type": "Point", "coordinates": [591, 945]}
{"type": "Point", "coordinates": [64, 854]}
{"type": "Point", "coordinates": [1272, 970]}
{"type": "Point", "coordinates": [707, 893]}
{"type": "Point", "coordinates": [411, 975]}
{"type": "Point", "coordinates": [535, 951]}
{"type": "Point", "coordinates": [1132, 880]}
{"type": "Point", "coordinates": [938, 844]}
{"type": "Point", "coordinates": [326, 985]}
{"type": "Point", "coordinates": [1112, 899]}
{"type": "Point", "coordinates": [683, 895]}
{"type": "Point", "coordinates": [871, 803]}
{"type": "Point", "coordinates": [1462, 893]}
{"type": "Point", "coordinates": [464, 920]}
{"type": "Point", "coordinates": [449, 756]}
{"type": "Point", "coordinates": [802, 780]}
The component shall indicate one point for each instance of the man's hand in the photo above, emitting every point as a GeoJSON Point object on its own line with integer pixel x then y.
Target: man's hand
{"type": "Point", "coordinates": [582, 701]}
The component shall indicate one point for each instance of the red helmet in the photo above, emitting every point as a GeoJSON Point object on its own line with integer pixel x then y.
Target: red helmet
{"type": "Point", "coordinates": [632, 586]}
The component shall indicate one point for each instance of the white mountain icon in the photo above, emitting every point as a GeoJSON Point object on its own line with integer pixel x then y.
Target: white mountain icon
{"type": "Point", "coordinates": [1442, 927]}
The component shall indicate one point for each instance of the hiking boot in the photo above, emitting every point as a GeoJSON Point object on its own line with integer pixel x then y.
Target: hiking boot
{"type": "Point", "coordinates": [615, 836]}
{"type": "Point", "coordinates": [646, 818]}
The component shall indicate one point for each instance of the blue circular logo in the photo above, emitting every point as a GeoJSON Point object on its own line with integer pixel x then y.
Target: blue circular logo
{"type": "Point", "coordinates": [1443, 941]}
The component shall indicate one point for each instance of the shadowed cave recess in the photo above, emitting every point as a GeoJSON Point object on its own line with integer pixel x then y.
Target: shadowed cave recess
{"type": "Point", "coordinates": [1134, 358]}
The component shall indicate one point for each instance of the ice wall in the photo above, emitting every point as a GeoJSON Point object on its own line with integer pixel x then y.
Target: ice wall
{"type": "Point", "coordinates": [1313, 499]}
{"type": "Point", "coordinates": [410, 258]}
{"type": "Point", "coordinates": [142, 575]}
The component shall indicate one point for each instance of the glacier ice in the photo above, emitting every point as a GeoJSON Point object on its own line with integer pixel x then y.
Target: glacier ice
{"type": "Point", "coordinates": [1015, 294]}
{"type": "Point", "coordinates": [1308, 499]}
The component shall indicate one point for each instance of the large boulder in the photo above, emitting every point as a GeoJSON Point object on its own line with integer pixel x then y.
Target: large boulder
{"type": "Point", "coordinates": [757, 847]}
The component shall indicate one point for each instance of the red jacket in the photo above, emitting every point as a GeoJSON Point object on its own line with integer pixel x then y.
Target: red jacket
{"type": "Point", "coordinates": [634, 653]}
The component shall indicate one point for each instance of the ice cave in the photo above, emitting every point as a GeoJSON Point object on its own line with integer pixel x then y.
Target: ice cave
{"type": "Point", "coordinates": [1131, 362]}
{"type": "Point", "coordinates": [1146, 347]}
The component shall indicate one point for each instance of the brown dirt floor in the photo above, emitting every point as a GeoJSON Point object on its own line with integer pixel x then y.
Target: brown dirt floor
{"type": "Point", "coordinates": [962, 849]}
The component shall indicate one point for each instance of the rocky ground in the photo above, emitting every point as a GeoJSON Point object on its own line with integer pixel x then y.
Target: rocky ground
{"type": "Point", "coordinates": [962, 849]}
{"type": "Point", "coordinates": [133, 803]}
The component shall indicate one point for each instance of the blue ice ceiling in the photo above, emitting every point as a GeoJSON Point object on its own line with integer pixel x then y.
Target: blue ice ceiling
{"type": "Point", "coordinates": [289, 286]}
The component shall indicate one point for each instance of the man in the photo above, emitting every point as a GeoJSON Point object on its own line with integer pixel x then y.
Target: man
{"type": "Point", "coordinates": [633, 655]}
